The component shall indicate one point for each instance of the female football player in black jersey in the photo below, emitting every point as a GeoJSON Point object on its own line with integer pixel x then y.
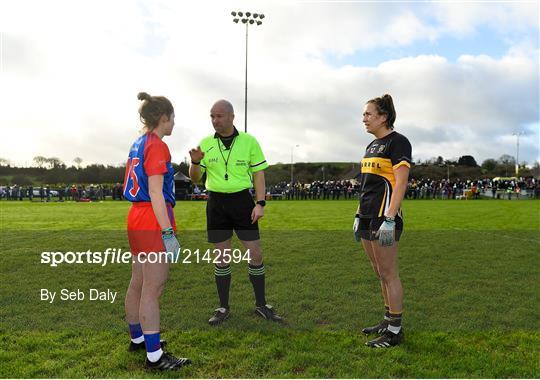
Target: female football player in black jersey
{"type": "Point", "coordinates": [378, 223]}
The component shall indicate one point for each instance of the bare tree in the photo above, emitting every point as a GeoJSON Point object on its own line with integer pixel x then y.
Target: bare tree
{"type": "Point", "coordinates": [55, 162]}
{"type": "Point", "coordinates": [508, 162]}
{"type": "Point", "coordinates": [40, 161]}
{"type": "Point", "coordinates": [78, 161]}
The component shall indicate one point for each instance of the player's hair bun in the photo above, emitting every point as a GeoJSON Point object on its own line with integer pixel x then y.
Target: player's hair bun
{"type": "Point", "coordinates": [143, 96]}
{"type": "Point", "coordinates": [152, 108]}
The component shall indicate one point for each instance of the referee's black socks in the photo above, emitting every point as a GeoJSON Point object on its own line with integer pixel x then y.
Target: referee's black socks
{"type": "Point", "coordinates": [223, 283]}
{"type": "Point", "coordinates": [256, 276]}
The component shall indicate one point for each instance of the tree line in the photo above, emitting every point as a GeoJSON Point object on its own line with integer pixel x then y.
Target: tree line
{"type": "Point", "coordinates": [51, 170]}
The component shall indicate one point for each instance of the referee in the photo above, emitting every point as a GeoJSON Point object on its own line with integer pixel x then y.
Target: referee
{"type": "Point", "coordinates": [233, 161]}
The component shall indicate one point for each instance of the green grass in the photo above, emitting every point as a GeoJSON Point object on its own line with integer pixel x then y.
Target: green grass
{"type": "Point", "coordinates": [469, 270]}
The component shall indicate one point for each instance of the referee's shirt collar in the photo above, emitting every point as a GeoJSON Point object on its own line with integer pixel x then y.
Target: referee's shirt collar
{"type": "Point", "coordinates": [235, 133]}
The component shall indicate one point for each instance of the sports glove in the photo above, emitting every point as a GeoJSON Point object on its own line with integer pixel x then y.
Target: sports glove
{"type": "Point", "coordinates": [356, 227]}
{"type": "Point", "coordinates": [386, 233]}
{"type": "Point", "coordinates": [172, 245]}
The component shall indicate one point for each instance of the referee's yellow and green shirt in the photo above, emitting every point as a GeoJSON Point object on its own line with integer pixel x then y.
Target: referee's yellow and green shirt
{"type": "Point", "coordinates": [244, 158]}
{"type": "Point", "coordinates": [377, 172]}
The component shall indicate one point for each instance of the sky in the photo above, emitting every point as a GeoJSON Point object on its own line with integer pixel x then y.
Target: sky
{"type": "Point", "coordinates": [464, 76]}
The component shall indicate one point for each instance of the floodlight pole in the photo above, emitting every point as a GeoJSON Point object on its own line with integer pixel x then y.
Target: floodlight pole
{"type": "Point", "coordinates": [448, 171]}
{"type": "Point", "coordinates": [292, 163]}
{"type": "Point", "coordinates": [517, 134]}
{"type": "Point", "coordinates": [245, 82]}
{"type": "Point", "coordinates": [246, 18]}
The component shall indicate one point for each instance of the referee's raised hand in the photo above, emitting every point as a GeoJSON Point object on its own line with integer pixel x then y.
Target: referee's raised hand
{"type": "Point", "coordinates": [196, 155]}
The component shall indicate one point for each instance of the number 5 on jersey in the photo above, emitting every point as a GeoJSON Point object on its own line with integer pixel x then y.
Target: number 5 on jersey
{"type": "Point", "coordinates": [130, 171]}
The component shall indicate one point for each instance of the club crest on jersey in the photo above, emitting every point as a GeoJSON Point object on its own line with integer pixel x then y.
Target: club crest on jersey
{"type": "Point", "coordinates": [381, 148]}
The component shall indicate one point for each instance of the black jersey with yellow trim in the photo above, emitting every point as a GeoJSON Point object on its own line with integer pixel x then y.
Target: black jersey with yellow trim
{"type": "Point", "coordinates": [377, 172]}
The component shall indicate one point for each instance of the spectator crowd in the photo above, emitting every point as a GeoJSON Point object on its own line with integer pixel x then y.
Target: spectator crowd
{"type": "Point", "coordinates": [317, 190]}
{"type": "Point", "coordinates": [416, 189]}
{"type": "Point", "coordinates": [334, 190]}
{"type": "Point", "coordinates": [46, 193]}
{"type": "Point", "coordinates": [446, 189]}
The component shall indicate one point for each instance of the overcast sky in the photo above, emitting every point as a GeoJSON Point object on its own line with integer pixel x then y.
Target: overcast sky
{"type": "Point", "coordinates": [463, 75]}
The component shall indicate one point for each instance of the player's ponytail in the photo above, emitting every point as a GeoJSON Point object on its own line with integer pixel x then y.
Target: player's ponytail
{"type": "Point", "coordinates": [385, 106]}
{"type": "Point", "coordinates": [152, 108]}
{"type": "Point", "coordinates": [143, 96]}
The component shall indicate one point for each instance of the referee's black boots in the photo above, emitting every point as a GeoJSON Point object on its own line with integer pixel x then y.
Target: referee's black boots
{"type": "Point", "coordinates": [220, 314]}
{"type": "Point", "coordinates": [268, 312]}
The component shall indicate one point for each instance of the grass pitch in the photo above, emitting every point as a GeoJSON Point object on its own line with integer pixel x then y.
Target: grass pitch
{"type": "Point", "coordinates": [469, 271]}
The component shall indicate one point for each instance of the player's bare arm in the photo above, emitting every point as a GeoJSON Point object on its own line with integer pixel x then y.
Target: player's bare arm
{"type": "Point", "coordinates": [260, 194]}
{"type": "Point", "coordinates": [402, 176]}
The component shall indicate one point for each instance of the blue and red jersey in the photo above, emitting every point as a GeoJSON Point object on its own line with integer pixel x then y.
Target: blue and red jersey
{"type": "Point", "coordinates": [148, 156]}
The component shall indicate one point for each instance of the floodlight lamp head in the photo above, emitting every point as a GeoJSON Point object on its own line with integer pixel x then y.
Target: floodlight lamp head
{"type": "Point", "coordinates": [251, 21]}
{"type": "Point", "coordinates": [248, 14]}
{"type": "Point", "coordinates": [244, 20]}
{"type": "Point", "coordinates": [233, 13]}
{"type": "Point", "coordinates": [259, 22]}
{"type": "Point", "coordinates": [255, 15]}
{"type": "Point", "coordinates": [236, 20]}
{"type": "Point", "coordinates": [261, 16]}
{"type": "Point", "coordinates": [240, 14]}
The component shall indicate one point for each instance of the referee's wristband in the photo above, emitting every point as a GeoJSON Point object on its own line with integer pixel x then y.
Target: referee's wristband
{"type": "Point", "coordinates": [195, 163]}
{"type": "Point", "coordinates": [357, 216]}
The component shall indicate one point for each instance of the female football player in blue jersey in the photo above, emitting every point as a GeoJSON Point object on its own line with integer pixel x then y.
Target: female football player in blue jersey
{"type": "Point", "coordinates": [379, 221]}
{"type": "Point", "coordinates": [149, 185]}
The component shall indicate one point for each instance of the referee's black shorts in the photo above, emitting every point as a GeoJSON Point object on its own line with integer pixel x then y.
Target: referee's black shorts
{"type": "Point", "coordinates": [370, 226]}
{"type": "Point", "coordinates": [226, 212]}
